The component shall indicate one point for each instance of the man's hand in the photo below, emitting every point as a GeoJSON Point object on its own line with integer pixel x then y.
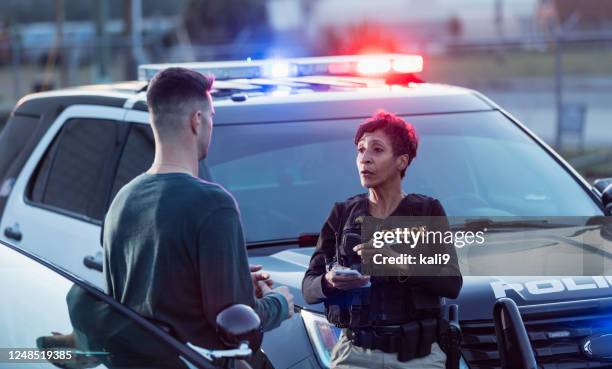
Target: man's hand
{"type": "Point", "coordinates": [345, 282]}
{"type": "Point", "coordinates": [257, 276]}
{"type": "Point", "coordinates": [283, 290]}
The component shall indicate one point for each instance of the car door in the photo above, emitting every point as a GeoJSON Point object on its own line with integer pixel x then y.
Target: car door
{"type": "Point", "coordinates": [58, 201]}
{"type": "Point", "coordinates": [49, 319]}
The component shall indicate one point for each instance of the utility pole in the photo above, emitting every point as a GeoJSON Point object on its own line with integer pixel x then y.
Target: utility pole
{"type": "Point", "coordinates": [60, 55]}
{"type": "Point", "coordinates": [562, 27]}
{"type": "Point", "coordinates": [16, 49]}
{"type": "Point", "coordinates": [558, 85]}
{"type": "Point", "coordinates": [127, 35]}
{"type": "Point", "coordinates": [136, 35]}
{"type": "Point", "coordinates": [132, 30]}
{"type": "Point", "coordinates": [498, 19]}
{"type": "Point", "coordinates": [102, 44]}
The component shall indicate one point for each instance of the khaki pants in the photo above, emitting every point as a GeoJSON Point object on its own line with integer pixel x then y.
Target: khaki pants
{"type": "Point", "coordinates": [347, 355]}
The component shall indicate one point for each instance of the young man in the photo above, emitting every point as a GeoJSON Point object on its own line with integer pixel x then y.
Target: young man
{"type": "Point", "coordinates": [173, 244]}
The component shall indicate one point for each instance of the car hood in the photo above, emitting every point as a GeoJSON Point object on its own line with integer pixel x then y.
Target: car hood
{"type": "Point", "coordinates": [479, 293]}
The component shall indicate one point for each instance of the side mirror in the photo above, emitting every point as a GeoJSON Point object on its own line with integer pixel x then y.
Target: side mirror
{"type": "Point", "coordinates": [513, 343]}
{"type": "Point", "coordinates": [604, 186]}
{"type": "Point", "coordinates": [239, 324]}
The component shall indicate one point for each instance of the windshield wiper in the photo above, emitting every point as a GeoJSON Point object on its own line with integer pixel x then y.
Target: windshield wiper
{"type": "Point", "coordinates": [490, 224]}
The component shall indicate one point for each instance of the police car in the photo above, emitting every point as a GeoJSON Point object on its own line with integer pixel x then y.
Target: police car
{"type": "Point", "coordinates": [282, 145]}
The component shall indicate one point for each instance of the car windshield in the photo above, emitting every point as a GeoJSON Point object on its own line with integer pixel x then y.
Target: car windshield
{"type": "Point", "coordinates": [287, 176]}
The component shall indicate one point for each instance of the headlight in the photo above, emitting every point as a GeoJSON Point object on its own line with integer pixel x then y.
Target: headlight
{"type": "Point", "coordinates": [322, 334]}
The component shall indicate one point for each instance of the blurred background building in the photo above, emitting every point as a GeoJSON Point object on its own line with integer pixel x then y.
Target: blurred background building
{"type": "Point", "coordinates": [548, 62]}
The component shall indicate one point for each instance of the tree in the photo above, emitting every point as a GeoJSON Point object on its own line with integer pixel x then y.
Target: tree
{"type": "Point", "coordinates": [225, 21]}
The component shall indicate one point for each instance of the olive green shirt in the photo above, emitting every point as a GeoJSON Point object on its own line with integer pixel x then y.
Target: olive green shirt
{"type": "Point", "coordinates": [174, 251]}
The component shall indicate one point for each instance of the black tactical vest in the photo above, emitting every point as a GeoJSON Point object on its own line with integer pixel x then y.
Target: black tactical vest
{"type": "Point", "coordinates": [389, 300]}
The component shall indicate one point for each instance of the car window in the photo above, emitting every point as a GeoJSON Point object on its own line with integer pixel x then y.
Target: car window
{"type": "Point", "coordinates": [72, 175]}
{"type": "Point", "coordinates": [286, 176]}
{"type": "Point", "coordinates": [136, 156]}
{"type": "Point", "coordinates": [42, 310]}
{"type": "Point", "coordinates": [481, 164]}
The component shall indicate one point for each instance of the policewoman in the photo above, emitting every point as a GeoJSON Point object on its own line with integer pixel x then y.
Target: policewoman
{"type": "Point", "coordinates": [390, 322]}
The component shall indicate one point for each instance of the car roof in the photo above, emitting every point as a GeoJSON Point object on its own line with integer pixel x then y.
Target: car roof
{"type": "Point", "coordinates": [418, 99]}
{"type": "Point", "coordinates": [286, 99]}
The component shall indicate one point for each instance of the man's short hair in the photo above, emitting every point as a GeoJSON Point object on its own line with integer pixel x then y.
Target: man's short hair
{"type": "Point", "coordinates": [173, 89]}
{"type": "Point", "coordinates": [403, 136]}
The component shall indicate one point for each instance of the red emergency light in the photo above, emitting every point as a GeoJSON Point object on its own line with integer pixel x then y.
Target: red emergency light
{"type": "Point", "coordinates": [378, 65]}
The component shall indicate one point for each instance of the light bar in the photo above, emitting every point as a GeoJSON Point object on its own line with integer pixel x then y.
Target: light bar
{"type": "Point", "coordinates": [374, 66]}
{"type": "Point", "coordinates": [277, 69]}
{"type": "Point", "coordinates": [408, 64]}
{"type": "Point", "coordinates": [364, 65]}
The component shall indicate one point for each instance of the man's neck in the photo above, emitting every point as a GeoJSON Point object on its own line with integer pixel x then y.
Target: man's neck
{"type": "Point", "coordinates": [168, 161]}
{"type": "Point", "coordinates": [161, 168]}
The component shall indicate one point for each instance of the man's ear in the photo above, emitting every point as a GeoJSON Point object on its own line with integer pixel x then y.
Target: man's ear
{"type": "Point", "coordinates": [195, 122]}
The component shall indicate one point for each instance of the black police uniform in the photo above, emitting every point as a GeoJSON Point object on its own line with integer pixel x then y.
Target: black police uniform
{"type": "Point", "coordinates": [412, 305]}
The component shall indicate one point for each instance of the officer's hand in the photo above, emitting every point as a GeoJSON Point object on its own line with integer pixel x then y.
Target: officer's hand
{"type": "Point", "coordinates": [365, 250]}
{"type": "Point", "coordinates": [256, 276]}
{"type": "Point", "coordinates": [345, 282]}
{"type": "Point", "coordinates": [283, 290]}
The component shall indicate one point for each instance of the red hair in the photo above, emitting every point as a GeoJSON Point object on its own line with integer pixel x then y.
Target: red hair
{"type": "Point", "coordinates": [403, 136]}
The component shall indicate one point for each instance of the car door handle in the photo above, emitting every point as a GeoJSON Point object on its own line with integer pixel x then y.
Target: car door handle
{"type": "Point", "coordinates": [91, 262]}
{"type": "Point", "coordinates": [13, 233]}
